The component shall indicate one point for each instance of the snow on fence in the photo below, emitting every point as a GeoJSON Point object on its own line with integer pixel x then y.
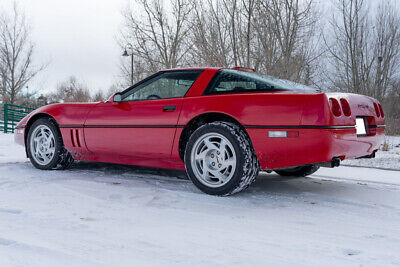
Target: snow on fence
{"type": "Point", "coordinates": [10, 115]}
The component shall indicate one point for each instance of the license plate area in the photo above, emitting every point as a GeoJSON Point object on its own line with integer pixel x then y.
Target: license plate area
{"type": "Point", "coordinates": [361, 126]}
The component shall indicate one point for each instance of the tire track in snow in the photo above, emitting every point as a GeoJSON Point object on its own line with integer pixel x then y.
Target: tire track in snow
{"type": "Point", "coordinates": [338, 179]}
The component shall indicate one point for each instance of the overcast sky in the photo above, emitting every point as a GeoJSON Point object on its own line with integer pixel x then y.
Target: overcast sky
{"type": "Point", "coordinates": [76, 37]}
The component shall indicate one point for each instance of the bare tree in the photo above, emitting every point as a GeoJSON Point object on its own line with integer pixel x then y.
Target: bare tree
{"type": "Point", "coordinates": [223, 32]}
{"type": "Point", "coordinates": [287, 36]}
{"type": "Point", "coordinates": [157, 33]}
{"type": "Point", "coordinates": [392, 108]}
{"type": "Point", "coordinates": [276, 37]}
{"type": "Point", "coordinates": [115, 88]}
{"type": "Point", "coordinates": [386, 39]}
{"type": "Point", "coordinates": [249, 7]}
{"type": "Point", "coordinates": [16, 54]}
{"type": "Point", "coordinates": [70, 91]}
{"type": "Point", "coordinates": [240, 14]}
{"type": "Point", "coordinates": [350, 50]}
{"type": "Point", "coordinates": [210, 41]}
{"type": "Point", "coordinates": [139, 72]}
{"type": "Point", "coordinates": [98, 96]}
{"type": "Point", "coordinates": [365, 49]}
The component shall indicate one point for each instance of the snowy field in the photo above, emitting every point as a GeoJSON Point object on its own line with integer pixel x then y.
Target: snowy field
{"type": "Point", "coordinates": [384, 159]}
{"type": "Point", "coordinates": [110, 215]}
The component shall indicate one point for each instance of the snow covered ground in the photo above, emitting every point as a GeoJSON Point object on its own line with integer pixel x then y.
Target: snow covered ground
{"type": "Point", "coordinates": [110, 215]}
{"type": "Point", "coordinates": [384, 159]}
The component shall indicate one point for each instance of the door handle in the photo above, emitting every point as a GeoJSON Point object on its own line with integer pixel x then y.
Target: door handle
{"type": "Point", "coordinates": [169, 108]}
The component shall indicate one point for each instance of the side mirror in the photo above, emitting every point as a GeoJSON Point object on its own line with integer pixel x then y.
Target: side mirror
{"type": "Point", "coordinates": [117, 97]}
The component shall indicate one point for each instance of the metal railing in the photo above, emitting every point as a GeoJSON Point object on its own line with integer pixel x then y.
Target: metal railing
{"type": "Point", "coordinates": [10, 115]}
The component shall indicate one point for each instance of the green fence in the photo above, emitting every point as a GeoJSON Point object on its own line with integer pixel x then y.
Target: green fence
{"type": "Point", "coordinates": [10, 115]}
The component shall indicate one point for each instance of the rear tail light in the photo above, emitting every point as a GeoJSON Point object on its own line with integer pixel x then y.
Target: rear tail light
{"type": "Point", "coordinates": [335, 107]}
{"type": "Point", "coordinates": [378, 113]}
{"type": "Point", "coordinates": [289, 134]}
{"type": "Point", "coordinates": [345, 107]}
{"type": "Point", "coordinates": [381, 110]}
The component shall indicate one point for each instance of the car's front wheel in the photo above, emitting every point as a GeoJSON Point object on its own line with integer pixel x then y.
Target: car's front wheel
{"type": "Point", "coordinates": [220, 159]}
{"type": "Point", "coordinates": [45, 146]}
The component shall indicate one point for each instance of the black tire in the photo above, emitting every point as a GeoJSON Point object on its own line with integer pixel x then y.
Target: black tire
{"type": "Point", "coordinates": [245, 157]}
{"type": "Point", "coordinates": [300, 171]}
{"type": "Point", "coordinates": [62, 159]}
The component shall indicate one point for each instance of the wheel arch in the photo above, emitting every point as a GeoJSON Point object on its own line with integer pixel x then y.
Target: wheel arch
{"type": "Point", "coordinates": [31, 121]}
{"type": "Point", "coordinates": [202, 119]}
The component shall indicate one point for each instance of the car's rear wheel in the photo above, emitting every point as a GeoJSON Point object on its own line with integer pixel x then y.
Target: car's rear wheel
{"type": "Point", "coordinates": [45, 146]}
{"type": "Point", "coordinates": [300, 171]}
{"type": "Point", "coordinates": [220, 159]}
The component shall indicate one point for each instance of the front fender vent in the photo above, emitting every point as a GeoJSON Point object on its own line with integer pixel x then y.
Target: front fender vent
{"type": "Point", "coordinates": [75, 139]}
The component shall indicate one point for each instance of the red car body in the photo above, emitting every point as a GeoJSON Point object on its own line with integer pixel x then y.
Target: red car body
{"type": "Point", "coordinates": [146, 133]}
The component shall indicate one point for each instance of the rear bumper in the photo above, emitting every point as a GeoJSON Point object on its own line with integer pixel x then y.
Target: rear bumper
{"type": "Point", "coordinates": [313, 146]}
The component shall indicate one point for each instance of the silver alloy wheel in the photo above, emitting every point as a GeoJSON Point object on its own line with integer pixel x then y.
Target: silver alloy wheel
{"type": "Point", "coordinates": [42, 144]}
{"type": "Point", "coordinates": [213, 160]}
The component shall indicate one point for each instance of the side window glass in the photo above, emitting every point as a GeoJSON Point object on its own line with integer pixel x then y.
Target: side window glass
{"type": "Point", "coordinates": [167, 85]}
{"type": "Point", "coordinates": [230, 81]}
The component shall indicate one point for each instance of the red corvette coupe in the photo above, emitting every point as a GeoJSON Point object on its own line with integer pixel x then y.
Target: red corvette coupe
{"type": "Point", "coordinates": [222, 125]}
